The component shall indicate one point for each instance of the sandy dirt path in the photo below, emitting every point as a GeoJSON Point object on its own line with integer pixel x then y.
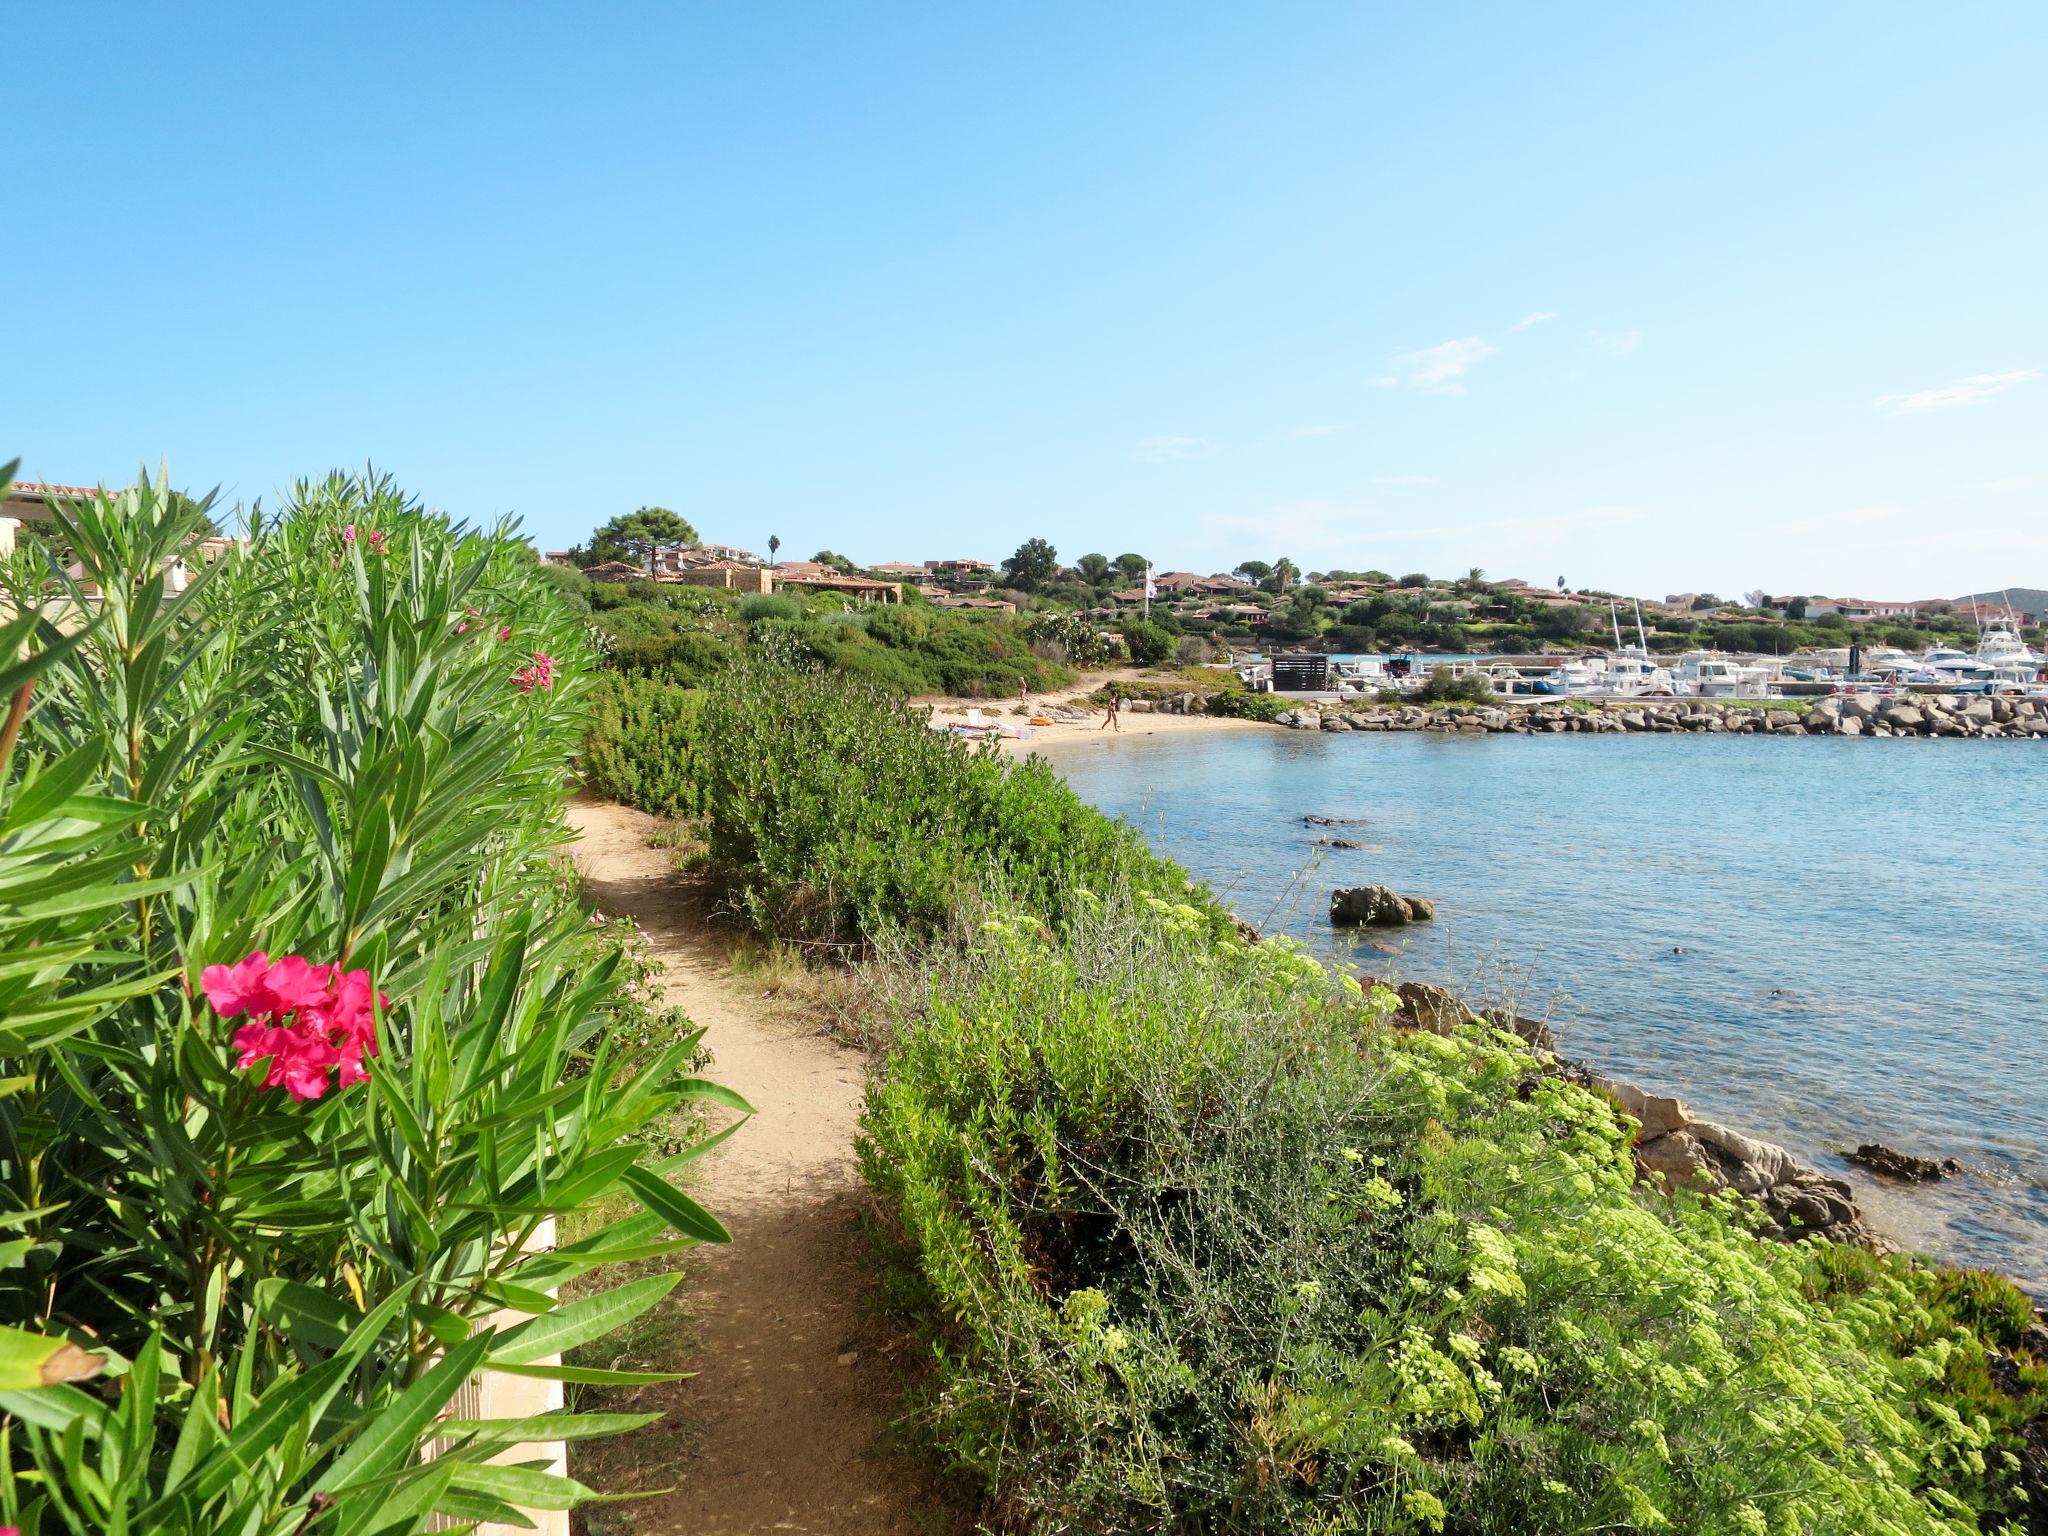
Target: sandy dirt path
{"type": "Point", "coordinates": [781, 1429]}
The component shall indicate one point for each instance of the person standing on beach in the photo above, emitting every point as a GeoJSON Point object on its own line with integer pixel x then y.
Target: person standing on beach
{"type": "Point", "coordinates": [1023, 691]}
{"type": "Point", "coordinates": [1109, 720]}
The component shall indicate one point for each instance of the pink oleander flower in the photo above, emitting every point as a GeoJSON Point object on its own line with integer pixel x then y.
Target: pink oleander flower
{"type": "Point", "coordinates": [504, 631]}
{"type": "Point", "coordinates": [540, 674]}
{"type": "Point", "coordinates": [305, 1020]}
{"type": "Point", "coordinates": [348, 533]}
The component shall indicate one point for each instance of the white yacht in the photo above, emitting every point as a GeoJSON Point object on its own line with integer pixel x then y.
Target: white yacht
{"type": "Point", "coordinates": [1711, 675]}
{"type": "Point", "coordinates": [2000, 647]}
{"type": "Point", "coordinates": [1631, 671]}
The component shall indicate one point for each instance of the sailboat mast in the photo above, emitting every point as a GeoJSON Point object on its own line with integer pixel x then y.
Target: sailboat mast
{"type": "Point", "coordinates": [1614, 616]}
{"type": "Point", "coordinates": [1641, 639]}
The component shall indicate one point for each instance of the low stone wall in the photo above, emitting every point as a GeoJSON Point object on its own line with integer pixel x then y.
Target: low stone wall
{"type": "Point", "coordinates": [1861, 714]}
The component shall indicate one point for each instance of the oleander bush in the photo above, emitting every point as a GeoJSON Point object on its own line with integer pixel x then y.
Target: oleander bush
{"type": "Point", "coordinates": [837, 816]}
{"type": "Point", "coordinates": [1202, 1245]}
{"type": "Point", "coordinates": [306, 1041]}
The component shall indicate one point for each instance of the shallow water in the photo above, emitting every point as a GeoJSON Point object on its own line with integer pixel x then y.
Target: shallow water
{"type": "Point", "coordinates": [1818, 940]}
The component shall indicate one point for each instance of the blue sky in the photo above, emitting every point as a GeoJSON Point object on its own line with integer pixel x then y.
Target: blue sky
{"type": "Point", "coordinates": [1654, 298]}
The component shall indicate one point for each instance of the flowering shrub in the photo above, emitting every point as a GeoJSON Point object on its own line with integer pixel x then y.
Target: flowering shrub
{"type": "Point", "coordinates": [538, 673]}
{"type": "Point", "coordinates": [288, 1206]}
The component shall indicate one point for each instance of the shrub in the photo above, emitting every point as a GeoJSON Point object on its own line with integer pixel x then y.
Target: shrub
{"type": "Point", "coordinates": [839, 817]}
{"type": "Point", "coordinates": [1077, 638]}
{"type": "Point", "coordinates": [284, 1205]}
{"type": "Point", "coordinates": [769, 605]}
{"type": "Point", "coordinates": [1147, 642]}
{"type": "Point", "coordinates": [642, 745]}
{"type": "Point", "coordinates": [1246, 705]}
{"type": "Point", "coordinates": [1202, 1246]}
{"type": "Point", "coordinates": [1445, 688]}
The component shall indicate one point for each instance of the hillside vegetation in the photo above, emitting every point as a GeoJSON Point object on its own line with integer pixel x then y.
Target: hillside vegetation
{"type": "Point", "coordinates": [688, 635]}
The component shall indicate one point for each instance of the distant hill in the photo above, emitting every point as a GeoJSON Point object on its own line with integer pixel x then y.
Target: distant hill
{"type": "Point", "coordinates": [2026, 599]}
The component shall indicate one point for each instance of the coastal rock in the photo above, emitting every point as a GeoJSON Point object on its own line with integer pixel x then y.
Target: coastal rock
{"type": "Point", "coordinates": [1849, 725]}
{"type": "Point", "coordinates": [1377, 905]}
{"type": "Point", "coordinates": [1533, 1033]}
{"type": "Point", "coordinates": [1432, 1008]}
{"type": "Point", "coordinates": [1894, 1164]}
{"type": "Point", "coordinates": [1660, 1114]}
{"type": "Point", "coordinates": [1333, 821]}
{"type": "Point", "coordinates": [1745, 1164]}
{"type": "Point", "coordinates": [1675, 1158]}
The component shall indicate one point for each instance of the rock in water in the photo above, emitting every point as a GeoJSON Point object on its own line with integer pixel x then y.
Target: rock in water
{"type": "Point", "coordinates": [1376, 904]}
{"type": "Point", "coordinates": [1893, 1164]}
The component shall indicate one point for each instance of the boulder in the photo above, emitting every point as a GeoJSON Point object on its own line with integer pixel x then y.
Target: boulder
{"type": "Point", "coordinates": [1435, 1009]}
{"type": "Point", "coordinates": [1659, 1114]}
{"type": "Point", "coordinates": [1675, 1157]}
{"type": "Point", "coordinates": [1893, 1164]}
{"type": "Point", "coordinates": [1745, 1163]}
{"type": "Point", "coordinates": [1849, 725]}
{"type": "Point", "coordinates": [1377, 905]}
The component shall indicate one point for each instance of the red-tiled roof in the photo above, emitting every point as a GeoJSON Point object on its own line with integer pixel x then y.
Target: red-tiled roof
{"type": "Point", "coordinates": [38, 488]}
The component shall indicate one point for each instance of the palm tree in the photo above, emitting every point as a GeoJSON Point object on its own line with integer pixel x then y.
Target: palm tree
{"type": "Point", "coordinates": [773, 545]}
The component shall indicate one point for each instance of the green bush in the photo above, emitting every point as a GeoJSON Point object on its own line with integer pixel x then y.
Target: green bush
{"type": "Point", "coordinates": [1202, 1246]}
{"type": "Point", "coordinates": [643, 745]}
{"type": "Point", "coordinates": [839, 817]}
{"type": "Point", "coordinates": [1243, 704]}
{"type": "Point", "coordinates": [1148, 643]}
{"type": "Point", "coordinates": [285, 1231]}
{"type": "Point", "coordinates": [765, 605]}
{"type": "Point", "coordinates": [1445, 688]}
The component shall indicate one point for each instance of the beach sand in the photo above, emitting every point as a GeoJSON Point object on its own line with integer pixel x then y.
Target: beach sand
{"type": "Point", "coordinates": [1062, 736]}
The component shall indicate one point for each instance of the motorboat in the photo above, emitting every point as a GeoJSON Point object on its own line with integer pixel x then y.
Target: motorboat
{"type": "Point", "coordinates": [1631, 671]}
{"type": "Point", "coordinates": [1999, 646]}
{"type": "Point", "coordinates": [1711, 675]}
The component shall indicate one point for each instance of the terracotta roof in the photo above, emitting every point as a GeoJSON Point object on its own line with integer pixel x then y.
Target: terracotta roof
{"type": "Point", "coordinates": [38, 488]}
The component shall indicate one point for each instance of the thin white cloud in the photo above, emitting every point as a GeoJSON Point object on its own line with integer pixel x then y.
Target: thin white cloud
{"type": "Point", "coordinates": [1170, 447]}
{"type": "Point", "coordinates": [2015, 483]}
{"type": "Point", "coordinates": [1974, 390]}
{"type": "Point", "coordinates": [1404, 480]}
{"type": "Point", "coordinates": [1619, 344]}
{"type": "Point", "coordinates": [1441, 369]}
{"type": "Point", "coordinates": [1537, 318]}
{"type": "Point", "coordinates": [1327, 430]}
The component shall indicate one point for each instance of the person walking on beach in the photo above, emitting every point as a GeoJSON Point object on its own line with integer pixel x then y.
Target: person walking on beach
{"type": "Point", "coordinates": [1023, 691]}
{"type": "Point", "coordinates": [1109, 720]}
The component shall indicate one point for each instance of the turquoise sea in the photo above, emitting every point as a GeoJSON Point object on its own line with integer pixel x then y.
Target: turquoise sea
{"type": "Point", "coordinates": [1818, 940]}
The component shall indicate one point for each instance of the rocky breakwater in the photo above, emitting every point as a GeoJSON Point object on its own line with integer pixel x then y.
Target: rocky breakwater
{"type": "Point", "coordinates": [1859, 714]}
{"type": "Point", "coordinates": [1674, 1148]}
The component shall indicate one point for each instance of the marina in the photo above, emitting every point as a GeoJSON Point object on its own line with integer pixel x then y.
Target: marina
{"type": "Point", "coordinates": [2002, 663]}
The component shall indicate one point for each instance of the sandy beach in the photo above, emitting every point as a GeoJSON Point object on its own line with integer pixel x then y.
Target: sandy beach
{"type": "Point", "coordinates": [1064, 735]}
